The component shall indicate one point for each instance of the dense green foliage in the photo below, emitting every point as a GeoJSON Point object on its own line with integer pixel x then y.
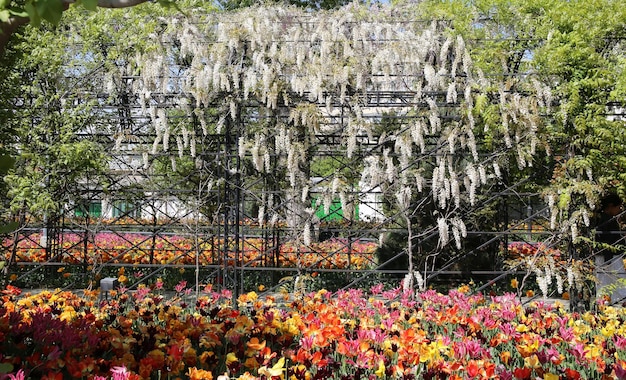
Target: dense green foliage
{"type": "Point", "coordinates": [577, 48]}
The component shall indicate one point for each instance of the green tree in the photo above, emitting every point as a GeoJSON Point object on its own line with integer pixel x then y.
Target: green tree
{"type": "Point", "coordinates": [582, 57]}
{"type": "Point", "coordinates": [50, 123]}
{"type": "Point", "coordinates": [16, 13]}
{"type": "Point", "coordinates": [574, 48]}
{"type": "Point", "coordinates": [9, 88]}
{"type": "Point", "coordinates": [43, 66]}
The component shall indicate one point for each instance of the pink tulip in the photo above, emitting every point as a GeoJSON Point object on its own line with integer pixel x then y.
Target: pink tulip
{"type": "Point", "coordinates": [181, 286]}
{"type": "Point", "coordinates": [620, 342]}
{"type": "Point", "coordinates": [120, 373]}
{"type": "Point", "coordinates": [18, 376]}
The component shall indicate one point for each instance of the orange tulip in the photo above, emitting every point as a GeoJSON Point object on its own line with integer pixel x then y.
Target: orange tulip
{"type": "Point", "coordinates": [199, 374]}
{"type": "Point", "coordinates": [505, 357]}
{"type": "Point", "coordinates": [255, 345]}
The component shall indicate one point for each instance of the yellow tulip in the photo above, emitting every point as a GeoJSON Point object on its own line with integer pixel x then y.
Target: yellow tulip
{"type": "Point", "coordinates": [276, 370]}
{"type": "Point", "coordinates": [592, 351]}
{"type": "Point", "coordinates": [380, 372]}
{"type": "Point", "coordinates": [231, 358]}
{"type": "Point", "coordinates": [532, 361]}
{"type": "Point", "coordinates": [522, 328]}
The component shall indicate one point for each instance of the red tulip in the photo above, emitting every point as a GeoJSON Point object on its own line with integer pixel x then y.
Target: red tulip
{"type": "Point", "coordinates": [522, 373]}
{"type": "Point", "coordinates": [572, 374]}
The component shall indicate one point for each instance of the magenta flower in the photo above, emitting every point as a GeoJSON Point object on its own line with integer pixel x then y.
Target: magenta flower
{"type": "Point", "coordinates": [181, 286]}
{"type": "Point", "coordinates": [306, 342]}
{"type": "Point", "coordinates": [18, 376]}
{"type": "Point", "coordinates": [578, 350]}
{"type": "Point", "coordinates": [376, 289]}
{"type": "Point", "coordinates": [141, 293]}
{"type": "Point", "coordinates": [120, 373]}
{"type": "Point", "coordinates": [620, 342]}
{"type": "Point", "coordinates": [566, 333]}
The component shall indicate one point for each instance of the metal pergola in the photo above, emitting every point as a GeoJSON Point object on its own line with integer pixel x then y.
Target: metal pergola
{"type": "Point", "coordinates": [202, 218]}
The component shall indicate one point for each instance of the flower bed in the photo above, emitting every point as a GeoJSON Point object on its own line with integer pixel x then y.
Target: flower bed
{"type": "Point", "coordinates": [135, 248]}
{"type": "Point", "coordinates": [519, 249]}
{"type": "Point", "coordinates": [350, 334]}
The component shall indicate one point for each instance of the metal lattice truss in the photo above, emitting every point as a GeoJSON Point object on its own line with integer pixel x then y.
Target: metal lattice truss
{"type": "Point", "coordinates": [276, 140]}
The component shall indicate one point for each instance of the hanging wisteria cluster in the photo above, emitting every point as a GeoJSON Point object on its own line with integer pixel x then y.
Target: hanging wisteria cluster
{"type": "Point", "coordinates": [308, 68]}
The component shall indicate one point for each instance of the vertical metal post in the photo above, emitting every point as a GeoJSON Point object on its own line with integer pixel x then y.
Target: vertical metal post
{"type": "Point", "coordinates": [231, 164]}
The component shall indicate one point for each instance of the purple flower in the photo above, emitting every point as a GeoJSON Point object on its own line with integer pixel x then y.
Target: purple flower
{"type": "Point", "coordinates": [620, 372]}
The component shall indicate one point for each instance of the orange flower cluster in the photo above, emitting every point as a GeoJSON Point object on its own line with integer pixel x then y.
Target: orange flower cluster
{"type": "Point", "coordinates": [350, 334]}
{"type": "Point", "coordinates": [135, 248]}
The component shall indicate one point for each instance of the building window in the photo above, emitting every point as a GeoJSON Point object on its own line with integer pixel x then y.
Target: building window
{"type": "Point", "coordinates": [126, 209]}
{"type": "Point", "coordinates": [92, 209]}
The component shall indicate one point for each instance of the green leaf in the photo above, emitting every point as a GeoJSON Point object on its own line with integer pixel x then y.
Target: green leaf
{"type": "Point", "coordinates": [8, 228]}
{"type": "Point", "coordinates": [6, 367]}
{"type": "Point", "coordinates": [6, 163]}
{"type": "Point", "coordinates": [91, 5]}
{"type": "Point", "coordinates": [33, 14]}
{"type": "Point", "coordinates": [172, 4]}
{"type": "Point", "coordinates": [564, 200]}
{"type": "Point", "coordinates": [18, 12]}
{"type": "Point", "coordinates": [4, 15]}
{"type": "Point", "coordinates": [51, 10]}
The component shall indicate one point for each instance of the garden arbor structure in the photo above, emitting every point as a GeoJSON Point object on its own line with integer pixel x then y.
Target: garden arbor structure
{"type": "Point", "coordinates": [239, 143]}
